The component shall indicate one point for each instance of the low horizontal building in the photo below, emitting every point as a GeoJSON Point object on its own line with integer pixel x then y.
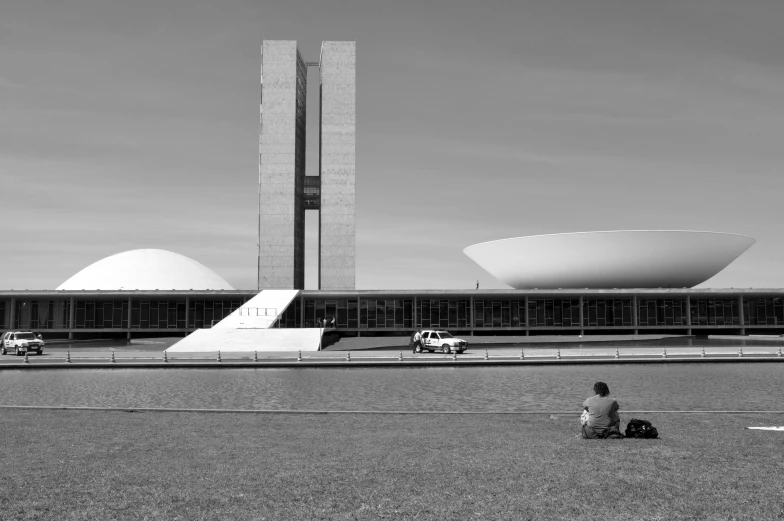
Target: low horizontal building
{"type": "Point", "coordinates": [139, 313]}
{"type": "Point", "coordinates": [143, 293]}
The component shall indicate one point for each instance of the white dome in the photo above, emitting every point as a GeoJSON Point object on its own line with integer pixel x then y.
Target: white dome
{"type": "Point", "coordinates": [610, 259]}
{"type": "Point", "coordinates": [145, 270]}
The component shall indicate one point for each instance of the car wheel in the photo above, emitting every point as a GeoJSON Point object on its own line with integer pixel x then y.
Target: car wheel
{"type": "Point", "coordinates": [461, 351]}
{"type": "Point", "coordinates": [17, 353]}
{"type": "Point", "coordinates": [418, 349]}
{"type": "Point", "coordinates": [431, 350]}
{"type": "Point", "coordinates": [445, 349]}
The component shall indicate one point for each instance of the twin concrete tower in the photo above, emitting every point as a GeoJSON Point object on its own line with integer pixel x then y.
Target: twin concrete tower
{"type": "Point", "coordinates": [285, 192]}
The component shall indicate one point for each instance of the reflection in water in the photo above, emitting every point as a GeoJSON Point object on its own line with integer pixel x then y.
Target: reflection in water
{"type": "Point", "coordinates": [724, 386]}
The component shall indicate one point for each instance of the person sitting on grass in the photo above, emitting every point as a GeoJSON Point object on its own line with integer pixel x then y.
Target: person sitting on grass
{"type": "Point", "coordinates": [603, 420]}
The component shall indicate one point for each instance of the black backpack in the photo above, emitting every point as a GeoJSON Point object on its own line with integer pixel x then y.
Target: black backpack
{"type": "Point", "coordinates": [640, 429]}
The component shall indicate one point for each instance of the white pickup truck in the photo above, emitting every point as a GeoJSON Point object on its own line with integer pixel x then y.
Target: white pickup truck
{"type": "Point", "coordinates": [21, 342]}
{"type": "Point", "coordinates": [440, 340]}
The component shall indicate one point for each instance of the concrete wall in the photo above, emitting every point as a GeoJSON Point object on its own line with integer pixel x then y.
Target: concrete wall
{"type": "Point", "coordinates": [337, 227]}
{"type": "Point", "coordinates": [282, 166]}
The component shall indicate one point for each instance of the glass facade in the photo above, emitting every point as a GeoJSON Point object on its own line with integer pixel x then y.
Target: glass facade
{"type": "Point", "coordinates": [442, 313]}
{"type": "Point", "coordinates": [763, 311]}
{"type": "Point", "coordinates": [317, 311]}
{"type": "Point", "coordinates": [499, 313]}
{"type": "Point", "coordinates": [607, 312]}
{"type": "Point", "coordinates": [41, 314]}
{"type": "Point", "coordinates": [158, 314]}
{"type": "Point", "coordinates": [292, 315]}
{"type": "Point", "coordinates": [101, 314]}
{"type": "Point", "coordinates": [554, 312]}
{"type": "Point", "coordinates": [386, 313]}
{"type": "Point", "coordinates": [203, 313]}
{"type": "Point", "coordinates": [661, 312]}
{"type": "Point", "coordinates": [396, 314]}
{"type": "Point", "coordinates": [715, 312]}
{"type": "Point", "coordinates": [379, 313]}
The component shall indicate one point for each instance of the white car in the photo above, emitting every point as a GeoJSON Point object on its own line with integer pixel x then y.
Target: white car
{"type": "Point", "coordinates": [21, 342]}
{"type": "Point", "coordinates": [440, 340]}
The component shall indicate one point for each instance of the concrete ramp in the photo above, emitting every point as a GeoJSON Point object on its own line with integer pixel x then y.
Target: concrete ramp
{"type": "Point", "coordinates": [250, 328]}
{"type": "Point", "coordinates": [249, 340]}
{"type": "Point", "coordinates": [260, 312]}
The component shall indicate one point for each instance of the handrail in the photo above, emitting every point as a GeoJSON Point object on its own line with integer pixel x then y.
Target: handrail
{"type": "Point", "coordinates": [257, 312]}
{"type": "Point", "coordinates": [478, 354]}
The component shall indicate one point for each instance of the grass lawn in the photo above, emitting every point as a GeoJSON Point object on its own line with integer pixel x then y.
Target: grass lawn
{"type": "Point", "coordinates": [119, 465]}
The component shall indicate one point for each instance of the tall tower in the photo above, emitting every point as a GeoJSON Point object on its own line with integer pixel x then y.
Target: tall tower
{"type": "Point", "coordinates": [337, 166]}
{"type": "Point", "coordinates": [284, 190]}
{"type": "Point", "coordinates": [284, 76]}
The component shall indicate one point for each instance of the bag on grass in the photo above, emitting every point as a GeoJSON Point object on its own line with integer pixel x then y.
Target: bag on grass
{"type": "Point", "coordinates": [584, 418]}
{"type": "Point", "coordinates": [640, 429]}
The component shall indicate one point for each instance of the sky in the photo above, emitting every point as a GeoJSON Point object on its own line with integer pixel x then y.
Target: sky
{"type": "Point", "coordinates": [129, 125]}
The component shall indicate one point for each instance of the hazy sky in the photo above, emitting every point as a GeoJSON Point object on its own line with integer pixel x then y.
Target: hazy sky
{"type": "Point", "coordinates": [134, 124]}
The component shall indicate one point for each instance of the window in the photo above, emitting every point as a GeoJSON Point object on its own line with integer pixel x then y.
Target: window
{"type": "Point", "coordinates": [554, 312]}
{"type": "Point", "coordinates": [715, 312]}
{"type": "Point", "coordinates": [763, 311]}
{"type": "Point", "coordinates": [607, 312]}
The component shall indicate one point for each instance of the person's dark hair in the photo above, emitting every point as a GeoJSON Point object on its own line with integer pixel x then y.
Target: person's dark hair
{"type": "Point", "coordinates": [601, 389]}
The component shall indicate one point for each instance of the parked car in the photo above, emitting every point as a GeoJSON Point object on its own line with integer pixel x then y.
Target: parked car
{"type": "Point", "coordinates": [21, 342]}
{"type": "Point", "coordinates": [440, 340]}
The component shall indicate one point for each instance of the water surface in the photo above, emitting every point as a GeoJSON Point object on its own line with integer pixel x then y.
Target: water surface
{"type": "Point", "coordinates": [718, 386]}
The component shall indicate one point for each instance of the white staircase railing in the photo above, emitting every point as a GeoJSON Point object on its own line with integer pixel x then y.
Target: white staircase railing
{"type": "Point", "coordinates": [257, 312]}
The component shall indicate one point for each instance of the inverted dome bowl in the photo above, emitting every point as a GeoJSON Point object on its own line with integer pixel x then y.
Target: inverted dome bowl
{"type": "Point", "coordinates": [609, 259]}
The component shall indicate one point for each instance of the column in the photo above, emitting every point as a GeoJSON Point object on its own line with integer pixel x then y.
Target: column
{"type": "Point", "coordinates": [526, 316]}
{"type": "Point", "coordinates": [187, 313]}
{"type": "Point", "coordinates": [12, 316]}
{"type": "Point", "coordinates": [471, 315]}
{"type": "Point", "coordinates": [71, 318]}
{"type": "Point", "coordinates": [688, 315]}
{"type": "Point", "coordinates": [130, 306]}
{"type": "Point", "coordinates": [635, 316]}
{"type": "Point", "coordinates": [742, 315]}
{"type": "Point", "coordinates": [582, 318]}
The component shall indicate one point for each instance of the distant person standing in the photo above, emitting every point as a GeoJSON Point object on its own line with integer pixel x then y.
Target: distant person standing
{"type": "Point", "coordinates": [416, 340]}
{"type": "Point", "coordinates": [477, 284]}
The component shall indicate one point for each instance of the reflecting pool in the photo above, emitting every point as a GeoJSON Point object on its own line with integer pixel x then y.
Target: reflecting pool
{"type": "Point", "coordinates": [700, 386]}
